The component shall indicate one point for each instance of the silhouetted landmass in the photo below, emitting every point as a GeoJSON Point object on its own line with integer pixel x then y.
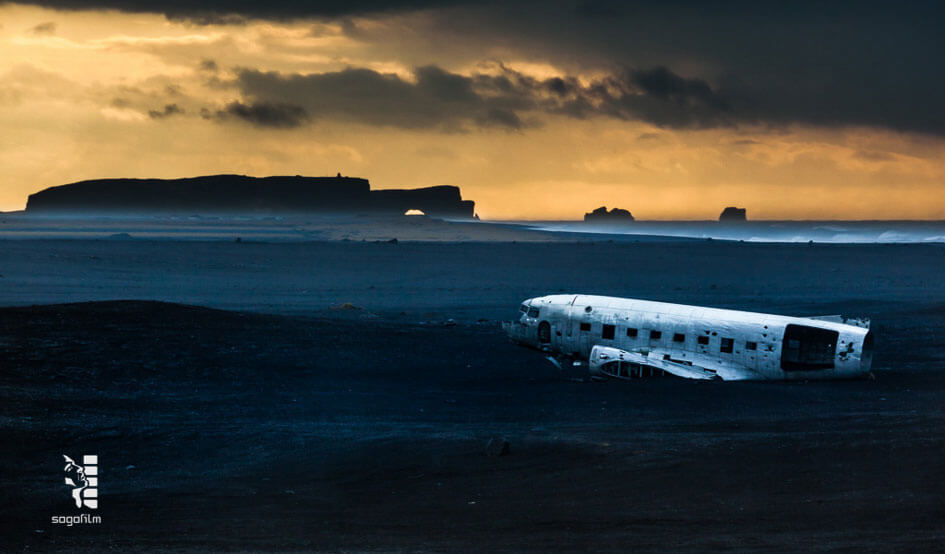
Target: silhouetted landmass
{"type": "Point", "coordinates": [242, 194]}
{"type": "Point", "coordinates": [732, 214]}
{"type": "Point", "coordinates": [615, 215]}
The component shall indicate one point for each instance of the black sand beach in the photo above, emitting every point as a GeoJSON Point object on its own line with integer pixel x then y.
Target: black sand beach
{"type": "Point", "coordinates": [340, 396]}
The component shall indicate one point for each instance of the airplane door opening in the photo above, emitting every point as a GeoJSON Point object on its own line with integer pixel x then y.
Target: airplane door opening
{"type": "Point", "coordinates": [808, 348]}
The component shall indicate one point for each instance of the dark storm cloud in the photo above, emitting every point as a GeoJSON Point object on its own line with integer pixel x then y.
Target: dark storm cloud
{"type": "Point", "coordinates": [661, 97]}
{"type": "Point", "coordinates": [209, 65]}
{"type": "Point", "coordinates": [500, 118]}
{"type": "Point", "coordinates": [508, 100]}
{"type": "Point", "coordinates": [232, 11]}
{"type": "Point", "coordinates": [263, 114]}
{"type": "Point", "coordinates": [169, 110]}
{"type": "Point", "coordinates": [665, 85]}
{"type": "Point", "coordinates": [503, 98]}
{"type": "Point", "coordinates": [437, 99]}
{"type": "Point", "coordinates": [829, 64]}
{"type": "Point", "coordinates": [833, 64]}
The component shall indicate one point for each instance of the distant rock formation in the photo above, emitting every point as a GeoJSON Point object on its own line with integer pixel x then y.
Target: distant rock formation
{"type": "Point", "coordinates": [601, 215]}
{"type": "Point", "coordinates": [441, 201]}
{"type": "Point", "coordinates": [732, 214]}
{"type": "Point", "coordinates": [220, 194]}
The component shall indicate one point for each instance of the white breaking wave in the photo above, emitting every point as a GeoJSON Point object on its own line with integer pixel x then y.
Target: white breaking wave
{"type": "Point", "coordinates": [849, 232]}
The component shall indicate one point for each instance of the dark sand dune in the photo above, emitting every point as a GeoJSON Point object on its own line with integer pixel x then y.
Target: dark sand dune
{"type": "Point", "coordinates": [364, 429]}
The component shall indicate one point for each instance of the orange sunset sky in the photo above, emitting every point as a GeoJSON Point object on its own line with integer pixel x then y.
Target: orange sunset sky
{"type": "Point", "coordinates": [541, 111]}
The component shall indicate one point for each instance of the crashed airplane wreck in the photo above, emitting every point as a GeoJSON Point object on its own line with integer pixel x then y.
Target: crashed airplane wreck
{"type": "Point", "coordinates": [622, 338]}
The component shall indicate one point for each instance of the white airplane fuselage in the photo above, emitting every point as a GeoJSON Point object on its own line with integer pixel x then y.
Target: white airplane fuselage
{"type": "Point", "coordinates": [621, 337]}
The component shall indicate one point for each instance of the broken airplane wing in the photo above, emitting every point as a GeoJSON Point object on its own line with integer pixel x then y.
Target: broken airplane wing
{"type": "Point", "coordinates": [612, 362]}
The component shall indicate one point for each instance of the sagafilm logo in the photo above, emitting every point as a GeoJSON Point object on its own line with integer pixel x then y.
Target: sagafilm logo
{"type": "Point", "coordinates": [84, 480]}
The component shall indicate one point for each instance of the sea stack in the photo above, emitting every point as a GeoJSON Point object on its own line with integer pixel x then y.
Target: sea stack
{"type": "Point", "coordinates": [601, 215]}
{"type": "Point", "coordinates": [732, 214]}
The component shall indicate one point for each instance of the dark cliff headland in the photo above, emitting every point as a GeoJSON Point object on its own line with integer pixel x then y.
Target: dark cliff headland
{"type": "Point", "coordinates": [242, 194]}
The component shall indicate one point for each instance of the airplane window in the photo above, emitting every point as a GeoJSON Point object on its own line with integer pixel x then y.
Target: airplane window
{"type": "Point", "coordinates": [607, 332]}
{"type": "Point", "coordinates": [585, 326]}
{"type": "Point", "coordinates": [533, 312]}
{"type": "Point", "coordinates": [656, 335]}
{"type": "Point", "coordinates": [728, 345]}
{"type": "Point", "coordinates": [631, 332]}
{"type": "Point", "coordinates": [703, 339]}
{"type": "Point", "coordinates": [679, 337]}
{"type": "Point", "coordinates": [751, 345]}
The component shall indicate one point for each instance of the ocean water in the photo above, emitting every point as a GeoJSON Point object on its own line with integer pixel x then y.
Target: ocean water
{"type": "Point", "coordinates": [764, 231]}
{"type": "Point", "coordinates": [303, 228]}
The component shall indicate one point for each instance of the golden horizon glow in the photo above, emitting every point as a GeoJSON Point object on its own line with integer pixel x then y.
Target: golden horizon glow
{"type": "Point", "coordinates": [76, 89]}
